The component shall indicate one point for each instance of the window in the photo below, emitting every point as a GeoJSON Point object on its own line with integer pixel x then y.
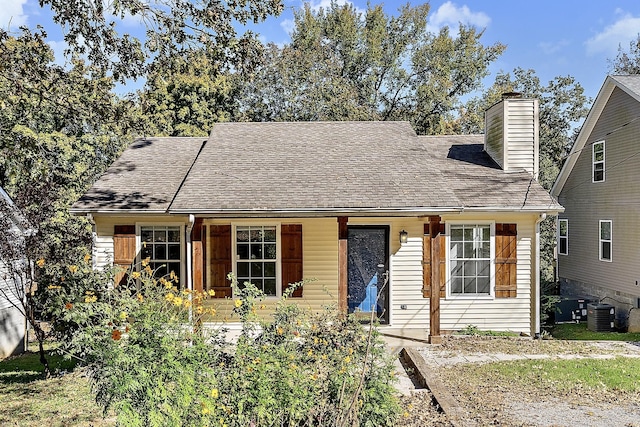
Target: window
{"type": "Point", "coordinates": [563, 236]}
{"type": "Point", "coordinates": [605, 240]}
{"type": "Point", "coordinates": [163, 246]}
{"type": "Point", "coordinates": [598, 161]}
{"type": "Point", "coordinates": [256, 249]}
{"type": "Point", "coordinates": [470, 247]}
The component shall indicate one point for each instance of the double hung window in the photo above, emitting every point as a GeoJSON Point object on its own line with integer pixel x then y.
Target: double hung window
{"type": "Point", "coordinates": [563, 236]}
{"type": "Point", "coordinates": [470, 259]}
{"type": "Point", "coordinates": [256, 249]}
{"type": "Point", "coordinates": [162, 245]}
{"type": "Point", "coordinates": [598, 161]}
{"type": "Point", "coordinates": [605, 240]}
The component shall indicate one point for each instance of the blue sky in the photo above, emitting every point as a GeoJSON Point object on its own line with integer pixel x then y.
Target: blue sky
{"type": "Point", "coordinates": [555, 38]}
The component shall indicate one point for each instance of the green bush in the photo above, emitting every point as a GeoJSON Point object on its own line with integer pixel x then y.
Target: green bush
{"type": "Point", "coordinates": [152, 360]}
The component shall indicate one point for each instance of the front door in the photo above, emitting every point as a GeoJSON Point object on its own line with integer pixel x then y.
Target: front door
{"type": "Point", "coordinates": [368, 271]}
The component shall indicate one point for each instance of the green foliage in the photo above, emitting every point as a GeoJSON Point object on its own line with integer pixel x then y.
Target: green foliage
{"type": "Point", "coordinates": [475, 331]}
{"type": "Point", "coordinates": [153, 361]}
{"type": "Point", "coordinates": [627, 61]}
{"type": "Point", "coordinates": [342, 65]}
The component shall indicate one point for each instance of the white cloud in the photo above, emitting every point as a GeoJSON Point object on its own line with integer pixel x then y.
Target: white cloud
{"type": "Point", "coordinates": [288, 25]}
{"type": "Point", "coordinates": [12, 14]}
{"type": "Point", "coordinates": [449, 14]}
{"type": "Point", "coordinates": [550, 48]}
{"type": "Point", "coordinates": [621, 32]}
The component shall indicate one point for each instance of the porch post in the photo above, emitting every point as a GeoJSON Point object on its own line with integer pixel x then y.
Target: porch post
{"type": "Point", "coordinates": [197, 237]}
{"type": "Point", "coordinates": [434, 302]}
{"type": "Point", "coordinates": [343, 234]}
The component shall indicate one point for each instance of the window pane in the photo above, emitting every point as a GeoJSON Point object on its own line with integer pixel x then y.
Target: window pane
{"type": "Point", "coordinates": [606, 250]}
{"type": "Point", "coordinates": [563, 246]}
{"type": "Point", "coordinates": [269, 269]}
{"type": "Point", "coordinates": [485, 250]}
{"type": "Point", "coordinates": [160, 252]}
{"type": "Point", "coordinates": [147, 251]}
{"type": "Point", "coordinates": [468, 250]}
{"type": "Point", "coordinates": [456, 234]}
{"type": "Point", "coordinates": [256, 269]}
{"type": "Point", "coordinates": [256, 235]}
{"type": "Point", "coordinates": [173, 234]}
{"type": "Point", "coordinates": [468, 234]}
{"type": "Point", "coordinates": [270, 251]}
{"type": "Point", "coordinates": [242, 234]}
{"type": "Point", "coordinates": [469, 268]}
{"type": "Point", "coordinates": [175, 267]}
{"type": "Point", "coordinates": [258, 283]}
{"type": "Point", "coordinates": [605, 230]}
{"type": "Point", "coordinates": [483, 285]}
{"type": "Point", "coordinates": [174, 252]}
{"type": "Point", "coordinates": [243, 251]}
{"type": "Point", "coordinates": [160, 269]}
{"type": "Point", "coordinates": [598, 175]}
{"type": "Point", "coordinates": [456, 285]}
{"type": "Point", "coordinates": [243, 269]}
{"type": "Point", "coordinates": [159, 236]}
{"type": "Point", "coordinates": [564, 226]}
{"type": "Point", "coordinates": [146, 235]}
{"type": "Point", "coordinates": [483, 268]}
{"type": "Point", "coordinates": [470, 285]}
{"type": "Point", "coordinates": [486, 234]}
{"type": "Point", "coordinates": [456, 250]}
{"type": "Point", "coordinates": [270, 286]}
{"type": "Point", "coordinates": [269, 234]}
{"type": "Point", "coordinates": [256, 251]}
{"type": "Point", "coordinates": [456, 268]}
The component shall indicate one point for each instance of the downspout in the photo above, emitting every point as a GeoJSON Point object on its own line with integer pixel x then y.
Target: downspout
{"type": "Point", "coordinates": [192, 220]}
{"type": "Point", "coordinates": [541, 218]}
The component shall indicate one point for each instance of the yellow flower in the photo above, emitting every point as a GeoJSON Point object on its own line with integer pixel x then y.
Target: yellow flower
{"type": "Point", "coordinates": [123, 315]}
{"type": "Point", "coordinates": [238, 303]}
{"type": "Point", "coordinates": [211, 292]}
{"type": "Point", "coordinates": [279, 330]}
{"type": "Point", "coordinates": [212, 311]}
{"type": "Point", "coordinates": [169, 296]}
{"type": "Point", "coordinates": [186, 303]}
{"type": "Point", "coordinates": [145, 262]}
{"type": "Point", "coordinates": [313, 377]}
{"type": "Point", "coordinates": [148, 270]}
{"type": "Point", "coordinates": [140, 297]}
{"type": "Point", "coordinates": [40, 262]}
{"type": "Point", "coordinates": [135, 275]}
{"type": "Point", "coordinates": [177, 300]}
{"type": "Point", "coordinates": [205, 410]}
{"type": "Point", "coordinates": [87, 258]}
{"type": "Point", "coordinates": [73, 269]}
{"type": "Point", "coordinates": [54, 287]}
{"type": "Point", "coordinates": [90, 298]}
{"type": "Point", "coordinates": [214, 393]}
{"type": "Point", "coordinates": [310, 352]}
{"type": "Point", "coordinates": [347, 359]}
{"type": "Point", "coordinates": [199, 309]}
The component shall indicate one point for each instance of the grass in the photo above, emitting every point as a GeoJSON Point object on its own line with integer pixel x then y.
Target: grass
{"type": "Point", "coordinates": [27, 399]}
{"type": "Point", "coordinates": [579, 332]}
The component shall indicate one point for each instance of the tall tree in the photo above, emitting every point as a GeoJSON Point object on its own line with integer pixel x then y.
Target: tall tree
{"type": "Point", "coordinates": [627, 62]}
{"type": "Point", "coordinates": [344, 65]}
{"type": "Point", "coordinates": [92, 29]}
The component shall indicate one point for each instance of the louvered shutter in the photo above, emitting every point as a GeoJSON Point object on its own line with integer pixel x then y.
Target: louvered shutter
{"type": "Point", "coordinates": [291, 249]}
{"type": "Point", "coordinates": [426, 262]}
{"type": "Point", "coordinates": [506, 260]}
{"type": "Point", "coordinates": [124, 251]}
{"type": "Point", "coordinates": [220, 260]}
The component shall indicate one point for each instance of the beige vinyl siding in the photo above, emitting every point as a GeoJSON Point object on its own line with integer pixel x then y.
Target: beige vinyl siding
{"type": "Point", "coordinates": [617, 198]}
{"type": "Point", "coordinates": [512, 314]}
{"type": "Point", "coordinates": [494, 126]}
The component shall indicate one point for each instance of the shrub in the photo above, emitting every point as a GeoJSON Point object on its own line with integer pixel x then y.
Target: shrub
{"type": "Point", "coordinates": [152, 360]}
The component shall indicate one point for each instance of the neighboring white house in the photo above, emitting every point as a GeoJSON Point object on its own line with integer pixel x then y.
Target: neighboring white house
{"type": "Point", "coordinates": [349, 204]}
{"type": "Point", "coordinates": [13, 324]}
{"type": "Point", "coordinates": [599, 186]}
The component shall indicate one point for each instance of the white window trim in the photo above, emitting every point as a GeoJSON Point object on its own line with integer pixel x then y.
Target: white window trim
{"type": "Point", "coordinates": [566, 237]}
{"type": "Point", "coordinates": [182, 276]}
{"type": "Point", "coordinates": [603, 161]}
{"type": "Point", "coordinates": [601, 240]}
{"type": "Point", "coordinates": [278, 259]}
{"type": "Point", "coordinates": [492, 262]}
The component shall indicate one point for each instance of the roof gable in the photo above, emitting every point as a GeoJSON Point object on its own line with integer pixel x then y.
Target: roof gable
{"type": "Point", "coordinates": [631, 86]}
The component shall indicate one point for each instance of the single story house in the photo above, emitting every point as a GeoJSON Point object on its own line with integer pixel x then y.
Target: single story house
{"type": "Point", "coordinates": [14, 277]}
{"type": "Point", "coordinates": [598, 232]}
{"type": "Point", "coordinates": [434, 233]}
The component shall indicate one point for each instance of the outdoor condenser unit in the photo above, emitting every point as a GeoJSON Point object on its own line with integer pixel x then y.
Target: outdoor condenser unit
{"type": "Point", "coordinates": [601, 317]}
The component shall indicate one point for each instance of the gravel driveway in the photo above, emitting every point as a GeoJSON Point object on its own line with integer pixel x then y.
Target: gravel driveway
{"type": "Point", "coordinates": [485, 401]}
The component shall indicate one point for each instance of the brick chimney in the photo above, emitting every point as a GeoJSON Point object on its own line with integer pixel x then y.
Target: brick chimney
{"type": "Point", "coordinates": [511, 129]}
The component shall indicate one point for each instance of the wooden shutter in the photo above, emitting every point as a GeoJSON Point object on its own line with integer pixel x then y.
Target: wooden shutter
{"type": "Point", "coordinates": [506, 260]}
{"type": "Point", "coordinates": [291, 247]}
{"type": "Point", "coordinates": [220, 260]}
{"type": "Point", "coordinates": [426, 262]}
{"type": "Point", "coordinates": [124, 251]}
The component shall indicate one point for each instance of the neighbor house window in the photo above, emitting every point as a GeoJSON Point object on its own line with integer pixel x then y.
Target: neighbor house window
{"type": "Point", "coordinates": [605, 240]}
{"type": "Point", "coordinates": [162, 245]}
{"type": "Point", "coordinates": [563, 236]}
{"type": "Point", "coordinates": [470, 259]}
{"type": "Point", "coordinates": [256, 249]}
{"type": "Point", "coordinates": [598, 161]}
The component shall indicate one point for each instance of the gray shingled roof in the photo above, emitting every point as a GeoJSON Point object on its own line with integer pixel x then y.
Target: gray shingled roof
{"type": "Point", "coordinates": [632, 82]}
{"type": "Point", "coordinates": [307, 167]}
{"type": "Point", "coordinates": [146, 176]}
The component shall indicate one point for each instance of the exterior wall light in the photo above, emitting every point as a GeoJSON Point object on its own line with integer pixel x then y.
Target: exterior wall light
{"type": "Point", "coordinates": [403, 237]}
